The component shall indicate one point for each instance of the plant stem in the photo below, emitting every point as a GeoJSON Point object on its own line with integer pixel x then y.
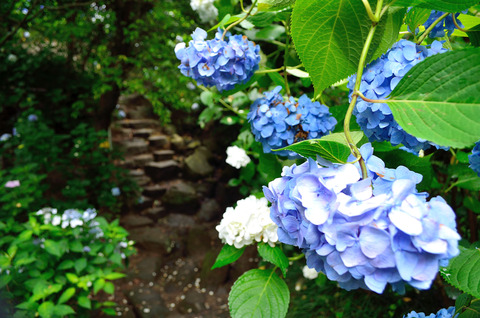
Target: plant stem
{"type": "Point", "coordinates": [369, 10]}
{"type": "Point", "coordinates": [239, 21]}
{"type": "Point", "coordinates": [296, 258]}
{"type": "Point", "coordinates": [270, 71]}
{"type": "Point", "coordinates": [456, 24]}
{"type": "Point", "coordinates": [285, 56]}
{"type": "Point", "coordinates": [430, 28]}
{"type": "Point", "coordinates": [361, 65]}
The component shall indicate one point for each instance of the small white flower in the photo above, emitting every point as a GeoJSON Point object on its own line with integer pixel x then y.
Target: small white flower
{"type": "Point", "coordinates": [205, 9]}
{"type": "Point", "coordinates": [76, 222]}
{"type": "Point", "coordinates": [309, 273]}
{"type": "Point", "coordinates": [12, 58]}
{"type": "Point", "coordinates": [237, 157]}
{"type": "Point", "coordinates": [248, 222]}
{"type": "Point", "coordinates": [57, 219]}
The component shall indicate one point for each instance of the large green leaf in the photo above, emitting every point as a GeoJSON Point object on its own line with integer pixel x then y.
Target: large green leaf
{"type": "Point", "coordinates": [227, 255]}
{"type": "Point", "coordinates": [274, 255]}
{"type": "Point", "coordinates": [463, 271]}
{"type": "Point", "coordinates": [440, 5]}
{"type": "Point", "coordinates": [416, 17]}
{"type": "Point", "coordinates": [260, 294]}
{"type": "Point", "coordinates": [46, 309]}
{"type": "Point", "coordinates": [439, 100]}
{"type": "Point", "coordinates": [465, 177]}
{"type": "Point", "coordinates": [332, 147]}
{"type": "Point", "coordinates": [329, 37]}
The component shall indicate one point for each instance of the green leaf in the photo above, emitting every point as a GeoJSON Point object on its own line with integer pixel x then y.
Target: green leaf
{"type": "Point", "coordinates": [463, 301]}
{"type": "Point", "coordinates": [227, 255]}
{"type": "Point", "coordinates": [330, 150]}
{"type": "Point", "coordinates": [274, 5]}
{"type": "Point", "coordinates": [98, 285]}
{"type": "Point", "coordinates": [297, 73]}
{"type": "Point", "coordinates": [63, 310]}
{"type": "Point", "coordinates": [465, 177]}
{"type": "Point", "coordinates": [84, 302]}
{"type": "Point", "coordinates": [474, 35]}
{"type": "Point", "coordinates": [271, 32]}
{"type": "Point", "coordinates": [207, 98]}
{"type": "Point", "coordinates": [72, 278]}
{"type": "Point", "coordinates": [259, 293]}
{"type": "Point", "coordinates": [227, 19]}
{"type": "Point", "coordinates": [416, 17]}
{"type": "Point", "coordinates": [109, 288]}
{"type": "Point", "coordinates": [438, 99]}
{"type": "Point", "coordinates": [66, 264]}
{"type": "Point", "coordinates": [277, 79]}
{"type": "Point", "coordinates": [4, 280]}
{"type": "Point", "coordinates": [329, 37]}
{"type": "Point", "coordinates": [262, 19]}
{"type": "Point", "coordinates": [269, 166]}
{"type": "Point", "coordinates": [46, 309]}
{"type": "Point", "coordinates": [55, 248]}
{"type": "Point", "coordinates": [76, 246]}
{"type": "Point", "coordinates": [439, 5]}
{"type": "Point", "coordinates": [80, 265]}
{"type": "Point", "coordinates": [463, 271]}
{"type": "Point", "coordinates": [66, 295]}
{"type": "Point", "coordinates": [472, 311]}
{"type": "Point", "coordinates": [115, 275]}
{"type": "Point", "coordinates": [274, 255]}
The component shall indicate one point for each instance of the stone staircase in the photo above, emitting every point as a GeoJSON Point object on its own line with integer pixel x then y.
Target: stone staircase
{"type": "Point", "coordinates": [183, 197]}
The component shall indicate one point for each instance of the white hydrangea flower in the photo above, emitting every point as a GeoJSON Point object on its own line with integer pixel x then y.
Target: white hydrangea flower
{"type": "Point", "coordinates": [205, 9]}
{"type": "Point", "coordinates": [248, 222]}
{"type": "Point", "coordinates": [237, 157]}
{"type": "Point", "coordinates": [309, 273]}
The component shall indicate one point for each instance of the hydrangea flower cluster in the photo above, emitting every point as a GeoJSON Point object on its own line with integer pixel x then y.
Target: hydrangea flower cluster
{"type": "Point", "coordinates": [442, 313]}
{"type": "Point", "coordinates": [277, 122]}
{"type": "Point", "coordinates": [247, 223]}
{"type": "Point", "coordinates": [379, 79]}
{"type": "Point", "coordinates": [474, 158]}
{"type": "Point", "coordinates": [363, 233]}
{"type": "Point", "coordinates": [237, 157]}
{"type": "Point", "coordinates": [205, 9]}
{"type": "Point", "coordinates": [72, 218]}
{"type": "Point", "coordinates": [438, 30]}
{"type": "Point", "coordinates": [218, 62]}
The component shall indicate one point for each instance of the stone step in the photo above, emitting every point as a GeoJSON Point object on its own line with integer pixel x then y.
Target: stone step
{"type": "Point", "coordinates": [138, 175]}
{"type": "Point", "coordinates": [139, 123]}
{"type": "Point", "coordinates": [142, 133]}
{"type": "Point", "coordinates": [159, 142]}
{"type": "Point", "coordinates": [134, 146]}
{"type": "Point", "coordinates": [161, 155]}
{"type": "Point", "coordinates": [155, 191]}
{"type": "Point", "coordinates": [163, 170]}
{"type": "Point", "coordinates": [133, 220]}
{"type": "Point", "coordinates": [121, 133]}
{"type": "Point", "coordinates": [141, 160]}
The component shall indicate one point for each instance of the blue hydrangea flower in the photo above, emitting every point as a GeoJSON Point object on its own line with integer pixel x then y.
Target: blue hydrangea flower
{"type": "Point", "coordinates": [218, 62]}
{"type": "Point", "coordinates": [5, 137]}
{"type": "Point", "coordinates": [115, 191]}
{"type": "Point", "coordinates": [277, 122]}
{"type": "Point", "coordinates": [438, 30]}
{"type": "Point", "coordinates": [363, 233]}
{"type": "Point", "coordinates": [473, 158]}
{"type": "Point", "coordinates": [442, 313]}
{"type": "Point", "coordinates": [32, 117]}
{"type": "Point", "coordinates": [379, 79]}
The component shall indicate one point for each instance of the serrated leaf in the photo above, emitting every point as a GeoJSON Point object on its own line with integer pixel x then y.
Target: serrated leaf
{"type": "Point", "coordinates": [463, 301]}
{"type": "Point", "coordinates": [274, 255]}
{"type": "Point", "coordinates": [329, 37]}
{"type": "Point", "coordinates": [46, 309]}
{"type": "Point", "coordinates": [84, 301]}
{"type": "Point", "coordinates": [66, 295]}
{"type": "Point", "coordinates": [259, 293]}
{"type": "Point", "coordinates": [416, 17]}
{"type": "Point", "coordinates": [330, 150]}
{"type": "Point", "coordinates": [472, 311]}
{"type": "Point", "coordinates": [80, 265]}
{"type": "Point", "coordinates": [63, 310]}
{"type": "Point", "coordinates": [439, 5]}
{"type": "Point", "coordinates": [228, 254]}
{"type": "Point", "coordinates": [274, 5]}
{"type": "Point", "coordinates": [438, 99]}
{"type": "Point", "coordinates": [463, 271]}
{"type": "Point", "coordinates": [474, 35]}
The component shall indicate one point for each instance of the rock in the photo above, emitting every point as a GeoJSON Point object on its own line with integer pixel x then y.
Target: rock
{"type": "Point", "coordinates": [155, 212]}
{"type": "Point", "coordinates": [182, 197]}
{"type": "Point", "coordinates": [135, 146]}
{"type": "Point", "coordinates": [194, 302]}
{"type": "Point", "coordinates": [197, 163]}
{"type": "Point", "coordinates": [146, 269]}
{"type": "Point", "coordinates": [156, 239]}
{"type": "Point", "coordinates": [138, 175]}
{"type": "Point", "coordinates": [161, 171]}
{"type": "Point", "coordinates": [158, 141]}
{"type": "Point", "coordinates": [143, 203]}
{"type": "Point", "coordinates": [209, 210]}
{"type": "Point", "coordinates": [143, 159]}
{"type": "Point", "coordinates": [121, 133]}
{"type": "Point", "coordinates": [142, 133]}
{"type": "Point", "coordinates": [140, 112]}
{"type": "Point", "coordinates": [178, 220]}
{"type": "Point", "coordinates": [194, 144]}
{"type": "Point", "coordinates": [161, 155]}
{"type": "Point", "coordinates": [177, 142]}
{"type": "Point", "coordinates": [212, 278]}
{"type": "Point", "coordinates": [133, 220]}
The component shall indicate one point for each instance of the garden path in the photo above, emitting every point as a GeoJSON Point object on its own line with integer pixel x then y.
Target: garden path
{"type": "Point", "coordinates": [183, 198]}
